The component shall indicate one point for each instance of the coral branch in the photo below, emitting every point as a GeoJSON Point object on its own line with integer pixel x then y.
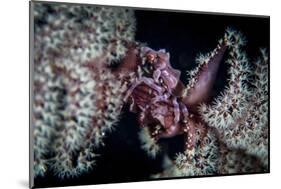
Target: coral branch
{"type": "Point", "coordinates": [237, 139]}
{"type": "Point", "coordinates": [203, 77]}
{"type": "Point", "coordinates": [240, 113]}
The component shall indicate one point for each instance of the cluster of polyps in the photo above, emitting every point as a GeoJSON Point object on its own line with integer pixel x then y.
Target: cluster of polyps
{"type": "Point", "coordinates": [74, 106]}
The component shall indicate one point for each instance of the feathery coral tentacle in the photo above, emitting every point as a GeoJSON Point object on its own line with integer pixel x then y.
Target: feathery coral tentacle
{"type": "Point", "coordinates": [148, 143]}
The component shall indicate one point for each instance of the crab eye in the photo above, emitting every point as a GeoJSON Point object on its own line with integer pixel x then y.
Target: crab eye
{"type": "Point", "coordinates": [150, 58]}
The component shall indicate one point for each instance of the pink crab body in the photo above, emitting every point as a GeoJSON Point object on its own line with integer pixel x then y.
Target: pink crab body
{"type": "Point", "coordinates": [156, 94]}
{"type": "Point", "coordinates": [163, 72]}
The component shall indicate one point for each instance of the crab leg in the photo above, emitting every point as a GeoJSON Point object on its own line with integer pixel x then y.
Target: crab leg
{"type": "Point", "coordinates": [189, 131]}
{"type": "Point", "coordinates": [147, 81]}
{"type": "Point", "coordinates": [176, 110]}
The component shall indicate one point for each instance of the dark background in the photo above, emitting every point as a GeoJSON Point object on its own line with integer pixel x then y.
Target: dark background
{"type": "Point", "coordinates": [184, 35]}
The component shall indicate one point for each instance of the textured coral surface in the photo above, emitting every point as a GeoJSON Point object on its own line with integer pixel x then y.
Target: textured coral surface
{"type": "Point", "coordinates": [123, 95]}
{"type": "Point", "coordinates": [75, 99]}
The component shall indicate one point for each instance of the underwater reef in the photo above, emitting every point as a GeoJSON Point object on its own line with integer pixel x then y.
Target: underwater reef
{"type": "Point", "coordinates": [88, 68]}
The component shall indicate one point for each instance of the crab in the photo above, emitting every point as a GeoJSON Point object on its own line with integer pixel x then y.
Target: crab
{"type": "Point", "coordinates": [159, 98]}
{"type": "Point", "coordinates": [163, 80]}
